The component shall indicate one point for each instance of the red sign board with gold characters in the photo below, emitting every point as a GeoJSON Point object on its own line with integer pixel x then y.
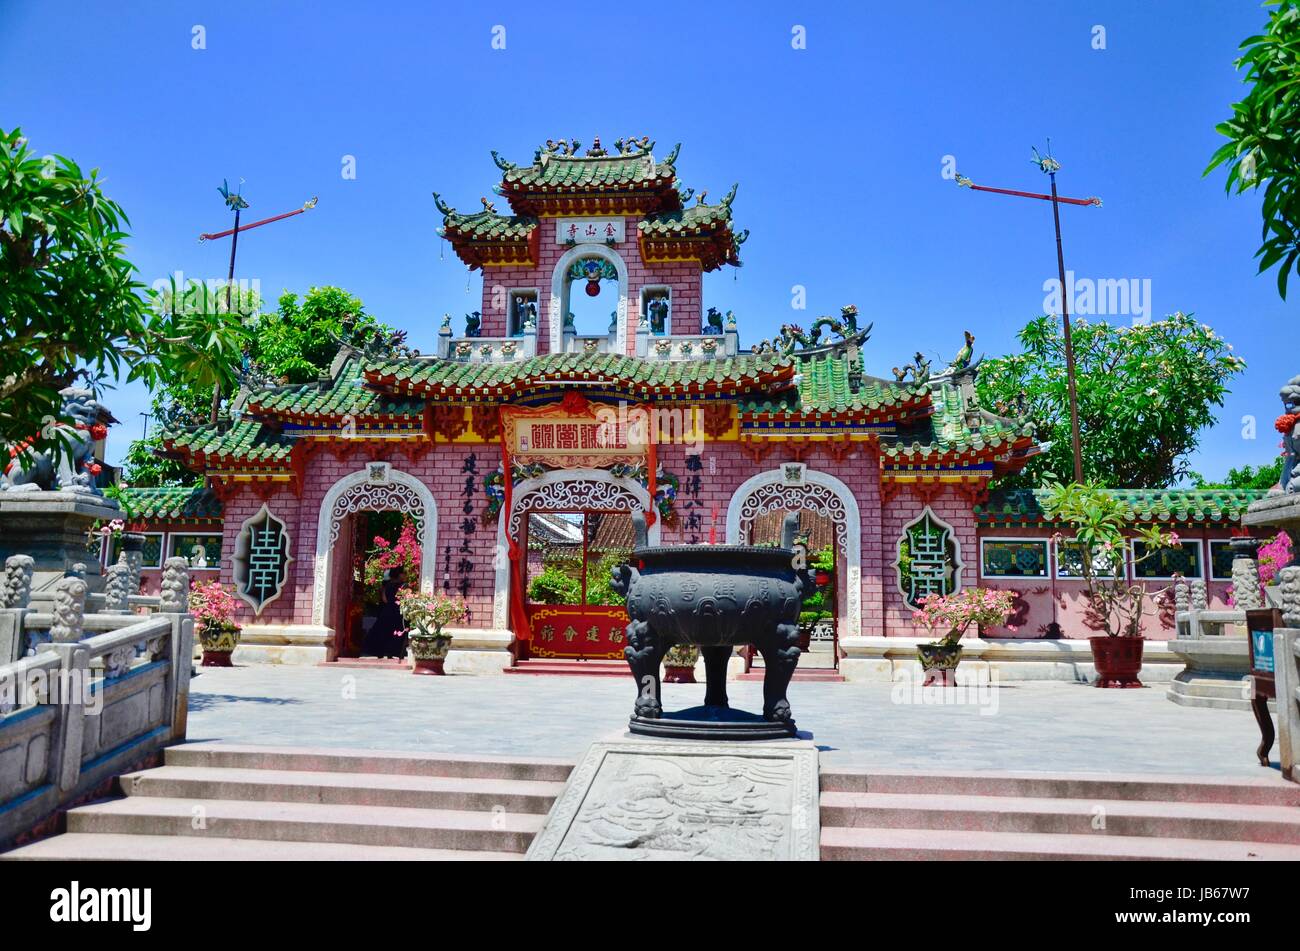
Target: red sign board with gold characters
{"type": "Point", "coordinates": [571, 434]}
{"type": "Point", "coordinates": [595, 632]}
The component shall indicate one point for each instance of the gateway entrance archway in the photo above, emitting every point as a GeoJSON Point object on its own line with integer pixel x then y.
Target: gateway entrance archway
{"type": "Point", "coordinates": [571, 514]}
{"type": "Point", "coordinates": [794, 487]}
{"type": "Point", "coordinates": [377, 487]}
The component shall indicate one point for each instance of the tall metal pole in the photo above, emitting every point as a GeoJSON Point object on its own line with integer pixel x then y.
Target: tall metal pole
{"type": "Point", "coordinates": [1050, 166]}
{"type": "Point", "coordinates": [234, 243]}
{"type": "Point", "coordinates": [1069, 339]}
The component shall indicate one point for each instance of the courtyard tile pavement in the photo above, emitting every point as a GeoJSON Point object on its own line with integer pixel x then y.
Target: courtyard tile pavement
{"type": "Point", "coordinates": [1019, 726]}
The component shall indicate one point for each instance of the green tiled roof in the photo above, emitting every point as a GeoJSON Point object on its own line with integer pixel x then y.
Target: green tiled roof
{"type": "Point", "coordinates": [1183, 506]}
{"type": "Point", "coordinates": [949, 431]}
{"type": "Point", "coordinates": [497, 379]}
{"type": "Point", "coordinates": [173, 503]}
{"type": "Point", "coordinates": [824, 388]}
{"type": "Point", "coordinates": [346, 396]}
{"type": "Point", "coordinates": [247, 440]}
{"type": "Point", "coordinates": [490, 226]}
{"type": "Point", "coordinates": [580, 172]}
{"type": "Point", "coordinates": [688, 221]}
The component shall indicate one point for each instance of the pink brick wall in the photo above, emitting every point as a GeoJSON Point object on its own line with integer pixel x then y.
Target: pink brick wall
{"type": "Point", "coordinates": [950, 506]}
{"type": "Point", "coordinates": [723, 467]}
{"type": "Point", "coordinates": [442, 470]}
{"type": "Point", "coordinates": [1061, 600]}
{"type": "Point", "coordinates": [683, 277]}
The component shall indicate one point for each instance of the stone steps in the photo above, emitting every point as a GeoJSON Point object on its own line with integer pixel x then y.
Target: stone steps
{"type": "Point", "coordinates": [115, 847]}
{"type": "Point", "coordinates": [572, 668]}
{"type": "Point", "coordinates": [236, 802]}
{"type": "Point", "coordinates": [876, 814]}
{"type": "Point", "coordinates": [812, 675]}
{"type": "Point", "coordinates": [839, 844]}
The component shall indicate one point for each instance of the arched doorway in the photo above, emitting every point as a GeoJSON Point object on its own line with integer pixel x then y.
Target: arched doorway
{"type": "Point", "coordinates": [819, 617]}
{"type": "Point", "coordinates": [562, 283]}
{"type": "Point", "coordinates": [376, 488]}
{"type": "Point", "coordinates": [580, 512]}
{"type": "Point", "coordinates": [793, 487]}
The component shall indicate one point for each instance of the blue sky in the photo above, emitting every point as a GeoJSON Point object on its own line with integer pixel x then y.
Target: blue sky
{"type": "Point", "coordinates": [839, 149]}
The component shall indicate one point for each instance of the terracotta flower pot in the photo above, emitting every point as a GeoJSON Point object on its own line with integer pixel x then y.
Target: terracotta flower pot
{"type": "Point", "coordinates": [428, 652]}
{"type": "Point", "coordinates": [1118, 660]}
{"type": "Point", "coordinates": [939, 662]}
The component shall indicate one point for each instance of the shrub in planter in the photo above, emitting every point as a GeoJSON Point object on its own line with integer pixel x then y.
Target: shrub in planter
{"type": "Point", "coordinates": [1099, 520]}
{"type": "Point", "coordinates": [679, 664]}
{"type": "Point", "coordinates": [213, 608]}
{"type": "Point", "coordinates": [428, 615]}
{"type": "Point", "coordinates": [983, 607]}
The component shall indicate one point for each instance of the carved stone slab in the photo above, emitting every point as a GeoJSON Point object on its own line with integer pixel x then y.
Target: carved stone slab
{"type": "Point", "coordinates": [641, 799]}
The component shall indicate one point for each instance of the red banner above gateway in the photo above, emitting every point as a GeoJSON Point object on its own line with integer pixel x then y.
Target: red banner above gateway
{"type": "Point", "coordinates": [570, 434]}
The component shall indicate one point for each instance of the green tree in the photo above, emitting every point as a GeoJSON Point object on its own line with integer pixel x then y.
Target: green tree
{"type": "Point", "coordinates": [301, 338]}
{"type": "Point", "coordinates": [1262, 136]}
{"type": "Point", "coordinates": [70, 306]}
{"type": "Point", "coordinates": [1247, 477]}
{"type": "Point", "coordinates": [292, 344]}
{"type": "Point", "coordinates": [1145, 392]}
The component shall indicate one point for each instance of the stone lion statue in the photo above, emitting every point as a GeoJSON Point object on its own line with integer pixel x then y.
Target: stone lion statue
{"type": "Point", "coordinates": [42, 471]}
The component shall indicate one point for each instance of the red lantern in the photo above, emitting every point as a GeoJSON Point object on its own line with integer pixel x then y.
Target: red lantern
{"type": "Point", "coordinates": [99, 431]}
{"type": "Point", "coordinates": [593, 288]}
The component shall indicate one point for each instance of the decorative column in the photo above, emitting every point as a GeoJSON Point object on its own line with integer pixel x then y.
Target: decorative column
{"type": "Point", "coordinates": [731, 336]}
{"type": "Point", "coordinates": [1246, 591]}
{"type": "Point", "coordinates": [1200, 597]}
{"type": "Point", "coordinates": [444, 337]}
{"type": "Point", "coordinates": [15, 596]}
{"type": "Point", "coordinates": [1289, 581]}
{"type": "Point", "coordinates": [117, 589]}
{"type": "Point", "coordinates": [69, 611]}
{"type": "Point", "coordinates": [530, 338]}
{"type": "Point", "coordinates": [642, 336]}
{"type": "Point", "coordinates": [174, 600]}
{"type": "Point", "coordinates": [134, 561]}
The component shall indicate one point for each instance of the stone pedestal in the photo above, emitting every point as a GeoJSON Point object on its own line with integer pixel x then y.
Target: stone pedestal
{"type": "Point", "coordinates": [301, 644]}
{"type": "Point", "coordinates": [639, 799]}
{"type": "Point", "coordinates": [52, 527]}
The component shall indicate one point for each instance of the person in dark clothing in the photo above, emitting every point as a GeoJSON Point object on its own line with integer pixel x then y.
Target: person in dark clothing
{"type": "Point", "coordinates": [387, 637]}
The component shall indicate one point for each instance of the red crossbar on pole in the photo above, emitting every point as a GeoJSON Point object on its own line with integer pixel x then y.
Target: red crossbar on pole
{"type": "Point", "coordinates": [266, 221]}
{"type": "Point", "coordinates": [967, 183]}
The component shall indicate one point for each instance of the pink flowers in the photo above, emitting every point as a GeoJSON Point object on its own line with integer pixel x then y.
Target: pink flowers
{"type": "Point", "coordinates": [213, 605]}
{"type": "Point", "coordinates": [983, 607]}
{"type": "Point", "coordinates": [381, 541]}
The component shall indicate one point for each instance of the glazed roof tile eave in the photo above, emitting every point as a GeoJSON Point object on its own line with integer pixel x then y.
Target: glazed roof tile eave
{"type": "Point", "coordinates": [1176, 506]}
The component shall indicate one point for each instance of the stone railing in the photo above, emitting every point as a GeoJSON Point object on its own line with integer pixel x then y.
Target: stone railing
{"type": "Point", "coordinates": [686, 346]}
{"type": "Point", "coordinates": [487, 349]}
{"type": "Point", "coordinates": [1192, 615]}
{"type": "Point", "coordinates": [95, 694]}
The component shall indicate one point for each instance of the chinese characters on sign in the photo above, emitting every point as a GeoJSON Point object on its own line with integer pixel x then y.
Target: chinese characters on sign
{"type": "Point", "coordinates": [588, 230]}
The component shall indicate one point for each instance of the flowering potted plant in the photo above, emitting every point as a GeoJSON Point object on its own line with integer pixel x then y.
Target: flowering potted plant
{"type": "Point", "coordinates": [982, 607]}
{"type": "Point", "coordinates": [213, 608]}
{"type": "Point", "coordinates": [1116, 604]}
{"type": "Point", "coordinates": [679, 664]}
{"type": "Point", "coordinates": [428, 615]}
{"type": "Point", "coordinates": [384, 557]}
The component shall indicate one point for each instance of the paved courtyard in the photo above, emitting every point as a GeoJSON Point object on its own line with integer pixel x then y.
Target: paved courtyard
{"type": "Point", "coordinates": [1019, 726]}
